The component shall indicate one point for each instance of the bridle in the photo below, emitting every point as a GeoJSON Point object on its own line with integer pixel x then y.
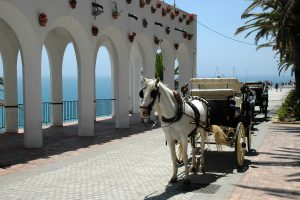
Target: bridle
{"type": "Point", "coordinates": [154, 94]}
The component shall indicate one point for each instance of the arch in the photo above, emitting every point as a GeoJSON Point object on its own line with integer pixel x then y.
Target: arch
{"type": "Point", "coordinates": [73, 32]}
{"type": "Point", "coordinates": [23, 32]}
{"type": "Point", "coordinates": [112, 38]}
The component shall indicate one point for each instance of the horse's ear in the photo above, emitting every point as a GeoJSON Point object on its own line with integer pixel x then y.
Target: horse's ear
{"type": "Point", "coordinates": [157, 81]}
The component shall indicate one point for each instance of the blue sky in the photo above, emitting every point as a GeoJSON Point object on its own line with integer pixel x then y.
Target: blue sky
{"type": "Point", "coordinates": [213, 51]}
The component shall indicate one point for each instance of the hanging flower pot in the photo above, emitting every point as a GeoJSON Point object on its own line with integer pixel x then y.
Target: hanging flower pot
{"type": "Point", "coordinates": [145, 23]}
{"type": "Point", "coordinates": [169, 8]}
{"type": "Point", "coordinates": [43, 19]}
{"type": "Point", "coordinates": [128, 1]}
{"type": "Point", "coordinates": [163, 12]}
{"type": "Point", "coordinates": [180, 19]}
{"type": "Point", "coordinates": [131, 36]}
{"type": "Point", "coordinates": [115, 14]}
{"type": "Point", "coordinates": [184, 34]}
{"type": "Point", "coordinates": [95, 30]}
{"type": "Point", "coordinates": [190, 36]}
{"type": "Point", "coordinates": [156, 40]}
{"type": "Point", "coordinates": [177, 12]}
{"type": "Point", "coordinates": [148, 2]}
{"type": "Point", "coordinates": [142, 3]}
{"type": "Point", "coordinates": [73, 3]}
{"type": "Point", "coordinates": [168, 30]}
{"type": "Point", "coordinates": [153, 10]}
{"type": "Point", "coordinates": [191, 17]}
{"type": "Point", "coordinates": [158, 4]}
{"type": "Point", "coordinates": [176, 45]}
{"type": "Point", "coordinates": [184, 16]}
{"type": "Point", "coordinates": [172, 15]}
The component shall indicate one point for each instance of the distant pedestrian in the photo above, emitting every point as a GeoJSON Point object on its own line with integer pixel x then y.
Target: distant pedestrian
{"type": "Point", "coordinates": [276, 87]}
{"type": "Point", "coordinates": [185, 89]}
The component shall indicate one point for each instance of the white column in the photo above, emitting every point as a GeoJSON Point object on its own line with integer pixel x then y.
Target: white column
{"type": "Point", "coordinates": [55, 48]}
{"type": "Point", "coordinates": [86, 86]}
{"type": "Point", "coordinates": [56, 88]}
{"type": "Point", "coordinates": [121, 89]}
{"type": "Point", "coordinates": [33, 137]}
{"type": "Point", "coordinates": [10, 90]}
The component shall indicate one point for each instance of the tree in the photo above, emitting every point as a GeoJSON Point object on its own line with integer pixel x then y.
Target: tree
{"type": "Point", "coordinates": [159, 67]}
{"type": "Point", "coordinates": [277, 21]}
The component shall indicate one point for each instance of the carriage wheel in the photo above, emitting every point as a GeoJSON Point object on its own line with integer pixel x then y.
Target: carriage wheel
{"type": "Point", "coordinates": [240, 145]}
{"type": "Point", "coordinates": [179, 151]}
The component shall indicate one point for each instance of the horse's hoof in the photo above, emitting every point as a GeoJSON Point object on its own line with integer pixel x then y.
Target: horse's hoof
{"type": "Point", "coordinates": [203, 170]}
{"type": "Point", "coordinates": [173, 180]}
{"type": "Point", "coordinates": [187, 181]}
{"type": "Point", "coordinates": [193, 169]}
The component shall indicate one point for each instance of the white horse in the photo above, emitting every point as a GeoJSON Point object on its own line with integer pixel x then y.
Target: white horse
{"type": "Point", "coordinates": [178, 121]}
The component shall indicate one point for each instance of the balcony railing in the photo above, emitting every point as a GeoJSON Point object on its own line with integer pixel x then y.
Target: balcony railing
{"type": "Point", "coordinates": [70, 111]}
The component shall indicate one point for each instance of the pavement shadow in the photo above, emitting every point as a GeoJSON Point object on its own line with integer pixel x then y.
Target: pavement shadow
{"type": "Point", "coordinates": [200, 183]}
{"type": "Point", "coordinates": [58, 140]}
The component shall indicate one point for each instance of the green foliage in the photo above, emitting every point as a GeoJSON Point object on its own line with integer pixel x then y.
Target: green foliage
{"type": "Point", "coordinates": [159, 67]}
{"type": "Point", "coordinates": [278, 22]}
{"type": "Point", "coordinates": [290, 109]}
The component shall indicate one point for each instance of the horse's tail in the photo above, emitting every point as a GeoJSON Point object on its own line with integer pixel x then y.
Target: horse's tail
{"type": "Point", "coordinates": [220, 136]}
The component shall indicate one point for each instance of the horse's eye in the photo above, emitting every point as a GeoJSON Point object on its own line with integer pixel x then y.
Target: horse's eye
{"type": "Point", "coordinates": [141, 94]}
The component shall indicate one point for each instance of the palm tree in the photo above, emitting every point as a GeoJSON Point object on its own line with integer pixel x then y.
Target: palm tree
{"type": "Point", "coordinates": [277, 21]}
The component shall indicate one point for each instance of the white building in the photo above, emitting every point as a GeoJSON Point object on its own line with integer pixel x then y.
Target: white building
{"type": "Point", "coordinates": [20, 30]}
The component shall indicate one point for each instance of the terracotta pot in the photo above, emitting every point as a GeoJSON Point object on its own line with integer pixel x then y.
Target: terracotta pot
{"type": "Point", "coordinates": [145, 23]}
{"type": "Point", "coordinates": [172, 15]}
{"type": "Point", "coordinates": [153, 10]}
{"type": "Point", "coordinates": [95, 30]}
{"type": "Point", "coordinates": [128, 1]}
{"type": "Point", "coordinates": [73, 4]}
{"type": "Point", "coordinates": [43, 19]}
{"type": "Point", "coordinates": [142, 3]}
{"type": "Point", "coordinates": [176, 45]}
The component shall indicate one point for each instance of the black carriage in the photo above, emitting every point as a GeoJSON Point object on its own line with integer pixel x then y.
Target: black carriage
{"type": "Point", "coordinates": [260, 91]}
{"type": "Point", "coordinates": [231, 108]}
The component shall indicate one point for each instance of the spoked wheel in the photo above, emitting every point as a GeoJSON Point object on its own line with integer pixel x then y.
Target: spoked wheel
{"type": "Point", "coordinates": [240, 145]}
{"type": "Point", "coordinates": [179, 152]}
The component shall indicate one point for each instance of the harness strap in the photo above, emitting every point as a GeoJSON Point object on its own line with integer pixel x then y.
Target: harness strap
{"type": "Point", "coordinates": [179, 111]}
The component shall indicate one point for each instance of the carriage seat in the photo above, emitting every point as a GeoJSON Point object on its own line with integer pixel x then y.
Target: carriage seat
{"type": "Point", "coordinates": [213, 93]}
{"type": "Point", "coordinates": [217, 83]}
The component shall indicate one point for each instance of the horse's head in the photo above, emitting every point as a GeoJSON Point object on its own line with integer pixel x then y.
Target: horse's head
{"type": "Point", "coordinates": [148, 94]}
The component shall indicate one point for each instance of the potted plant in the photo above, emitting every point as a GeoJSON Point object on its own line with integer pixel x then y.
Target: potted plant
{"type": "Point", "coordinates": [172, 15]}
{"type": "Point", "coordinates": [128, 1]}
{"type": "Point", "coordinates": [145, 23]}
{"type": "Point", "coordinates": [115, 14]}
{"type": "Point", "coordinates": [148, 2]}
{"type": "Point", "coordinates": [168, 30]}
{"type": "Point", "coordinates": [131, 36]}
{"type": "Point", "coordinates": [43, 19]}
{"type": "Point", "coordinates": [184, 16]}
{"type": "Point", "coordinates": [184, 34]}
{"type": "Point", "coordinates": [163, 12]}
{"type": "Point", "coordinates": [142, 3]}
{"type": "Point", "coordinates": [190, 18]}
{"type": "Point", "coordinates": [156, 40]}
{"type": "Point", "coordinates": [190, 36]}
{"type": "Point", "coordinates": [180, 19]}
{"type": "Point", "coordinates": [176, 45]}
{"type": "Point", "coordinates": [153, 9]}
{"type": "Point", "coordinates": [177, 12]}
{"type": "Point", "coordinates": [158, 4]}
{"type": "Point", "coordinates": [168, 9]}
{"type": "Point", "coordinates": [95, 30]}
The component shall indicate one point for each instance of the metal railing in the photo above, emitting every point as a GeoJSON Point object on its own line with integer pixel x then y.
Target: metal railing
{"type": "Point", "coordinates": [2, 115]}
{"type": "Point", "coordinates": [70, 111]}
{"type": "Point", "coordinates": [103, 107]}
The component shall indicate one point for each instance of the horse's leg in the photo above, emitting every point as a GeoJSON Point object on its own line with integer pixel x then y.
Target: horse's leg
{"type": "Point", "coordinates": [193, 166]}
{"type": "Point", "coordinates": [171, 144]}
{"type": "Point", "coordinates": [203, 138]}
{"type": "Point", "coordinates": [185, 161]}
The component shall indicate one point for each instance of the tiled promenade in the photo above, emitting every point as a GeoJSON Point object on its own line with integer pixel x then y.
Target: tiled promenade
{"type": "Point", "coordinates": [135, 164]}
